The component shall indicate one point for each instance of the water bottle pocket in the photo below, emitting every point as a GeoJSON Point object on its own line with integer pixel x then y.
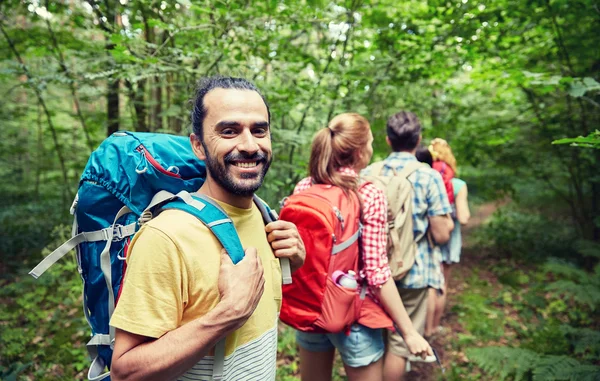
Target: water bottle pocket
{"type": "Point", "coordinates": [337, 310]}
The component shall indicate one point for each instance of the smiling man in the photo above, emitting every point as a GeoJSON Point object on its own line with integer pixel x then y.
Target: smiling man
{"type": "Point", "coordinates": [182, 294]}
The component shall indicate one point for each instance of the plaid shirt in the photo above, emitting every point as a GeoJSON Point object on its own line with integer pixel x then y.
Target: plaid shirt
{"type": "Point", "coordinates": [430, 199]}
{"type": "Point", "coordinates": [376, 269]}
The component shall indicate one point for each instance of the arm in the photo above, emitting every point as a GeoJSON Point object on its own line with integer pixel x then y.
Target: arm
{"type": "Point", "coordinates": [138, 357]}
{"type": "Point", "coordinates": [438, 209]}
{"type": "Point", "coordinates": [392, 304]}
{"type": "Point", "coordinates": [440, 227]}
{"type": "Point", "coordinates": [376, 269]}
{"type": "Point", "coordinates": [463, 214]}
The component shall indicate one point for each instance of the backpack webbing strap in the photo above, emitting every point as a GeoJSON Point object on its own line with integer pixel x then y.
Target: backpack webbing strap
{"type": "Point", "coordinates": [269, 215]}
{"type": "Point", "coordinates": [162, 197]}
{"type": "Point", "coordinates": [346, 244]}
{"type": "Point", "coordinates": [96, 371]}
{"type": "Point", "coordinates": [209, 215]}
{"type": "Point", "coordinates": [115, 231]}
{"type": "Point", "coordinates": [219, 361]}
{"type": "Point", "coordinates": [105, 266]}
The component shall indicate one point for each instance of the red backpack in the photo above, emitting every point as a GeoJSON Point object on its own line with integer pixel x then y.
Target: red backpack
{"type": "Point", "coordinates": [447, 174]}
{"type": "Point", "coordinates": [328, 220]}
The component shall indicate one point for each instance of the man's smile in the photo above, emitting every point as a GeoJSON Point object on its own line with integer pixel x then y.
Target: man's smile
{"type": "Point", "coordinates": [246, 164]}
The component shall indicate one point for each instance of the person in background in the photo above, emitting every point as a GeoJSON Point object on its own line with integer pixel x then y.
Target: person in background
{"type": "Point", "coordinates": [338, 153]}
{"type": "Point", "coordinates": [424, 155]}
{"type": "Point", "coordinates": [445, 163]}
{"type": "Point", "coordinates": [430, 212]}
{"type": "Point", "coordinates": [450, 255]}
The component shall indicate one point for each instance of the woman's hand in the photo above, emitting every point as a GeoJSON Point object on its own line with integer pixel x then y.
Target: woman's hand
{"type": "Point", "coordinates": [417, 345]}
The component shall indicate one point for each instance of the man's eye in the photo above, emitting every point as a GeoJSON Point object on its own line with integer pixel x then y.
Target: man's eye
{"type": "Point", "coordinates": [260, 131]}
{"type": "Point", "coordinates": [228, 131]}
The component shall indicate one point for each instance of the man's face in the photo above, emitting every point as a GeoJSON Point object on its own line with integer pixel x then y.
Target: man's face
{"type": "Point", "coordinates": [236, 144]}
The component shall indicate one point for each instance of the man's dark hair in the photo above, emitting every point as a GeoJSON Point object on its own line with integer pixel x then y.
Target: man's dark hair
{"type": "Point", "coordinates": [217, 82]}
{"type": "Point", "coordinates": [403, 130]}
{"type": "Point", "coordinates": [424, 155]}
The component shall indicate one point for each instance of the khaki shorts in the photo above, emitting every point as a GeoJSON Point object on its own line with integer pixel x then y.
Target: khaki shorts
{"type": "Point", "coordinates": [415, 302]}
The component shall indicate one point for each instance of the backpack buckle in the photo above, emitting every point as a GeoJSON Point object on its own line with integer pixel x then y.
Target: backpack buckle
{"type": "Point", "coordinates": [117, 233]}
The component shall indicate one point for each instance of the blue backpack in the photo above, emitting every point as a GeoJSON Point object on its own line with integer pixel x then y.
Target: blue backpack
{"type": "Point", "coordinates": [129, 179]}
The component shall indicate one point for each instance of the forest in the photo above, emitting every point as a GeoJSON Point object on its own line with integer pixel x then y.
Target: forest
{"type": "Point", "coordinates": [512, 85]}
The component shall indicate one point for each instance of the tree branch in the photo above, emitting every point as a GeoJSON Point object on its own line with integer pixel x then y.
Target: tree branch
{"type": "Point", "coordinates": [44, 107]}
{"type": "Point", "coordinates": [65, 70]}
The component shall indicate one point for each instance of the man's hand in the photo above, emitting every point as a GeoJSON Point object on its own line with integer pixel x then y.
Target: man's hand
{"type": "Point", "coordinates": [417, 345]}
{"type": "Point", "coordinates": [241, 286]}
{"type": "Point", "coordinates": [286, 242]}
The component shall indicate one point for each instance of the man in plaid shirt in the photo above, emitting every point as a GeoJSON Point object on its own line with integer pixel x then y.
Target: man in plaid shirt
{"type": "Point", "coordinates": [430, 211]}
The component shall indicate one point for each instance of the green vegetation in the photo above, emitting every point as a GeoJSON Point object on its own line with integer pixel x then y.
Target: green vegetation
{"type": "Point", "coordinates": [514, 86]}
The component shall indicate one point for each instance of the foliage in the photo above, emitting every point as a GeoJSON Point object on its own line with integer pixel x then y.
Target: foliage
{"type": "Point", "coordinates": [523, 364]}
{"type": "Point", "coordinates": [529, 236]}
{"type": "Point", "coordinates": [500, 80]}
{"type": "Point", "coordinates": [43, 331]}
{"type": "Point", "coordinates": [590, 141]}
{"type": "Point", "coordinates": [549, 305]}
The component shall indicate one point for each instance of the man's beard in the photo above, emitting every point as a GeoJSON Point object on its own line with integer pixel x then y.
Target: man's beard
{"type": "Point", "coordinates": [222, 176]}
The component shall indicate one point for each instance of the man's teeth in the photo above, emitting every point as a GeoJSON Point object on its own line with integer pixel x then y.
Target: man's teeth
{"type": "Point", "coordinates": [246, 165]}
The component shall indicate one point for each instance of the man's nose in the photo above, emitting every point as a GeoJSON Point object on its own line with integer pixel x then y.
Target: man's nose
{"type": "Point", "coordinates": [247, 142]}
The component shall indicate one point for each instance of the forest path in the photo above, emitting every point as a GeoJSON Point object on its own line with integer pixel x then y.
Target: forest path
{"type": "Point", "coordinates": [461, 280]}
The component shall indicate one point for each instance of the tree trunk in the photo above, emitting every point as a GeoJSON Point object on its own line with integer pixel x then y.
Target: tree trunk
{"type": "Point", "coordinates": [112, 107]}
{"type": "Point", "coordinates": [157, 124]}
{"type": "Point", "coordinates": [112, 93]}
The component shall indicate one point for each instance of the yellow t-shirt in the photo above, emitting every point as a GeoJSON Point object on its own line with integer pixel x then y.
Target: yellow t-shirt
{"type": "Point", "coordinates": [172, 278]}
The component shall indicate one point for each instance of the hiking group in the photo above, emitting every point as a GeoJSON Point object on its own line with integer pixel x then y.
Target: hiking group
{"type": "Point", "coordinates": [186, 271]}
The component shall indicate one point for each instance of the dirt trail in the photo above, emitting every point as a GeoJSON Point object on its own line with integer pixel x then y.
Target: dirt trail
{"type": "Point", "coordinates": [445, 342]}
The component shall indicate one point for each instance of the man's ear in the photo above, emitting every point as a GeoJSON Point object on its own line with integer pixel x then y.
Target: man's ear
{"type": "Point", "coordinates": [387, 140]}
{"type": "Point", "coordinates": [420, 139]}
{"type": "Point", "coordinates": [197, 147]}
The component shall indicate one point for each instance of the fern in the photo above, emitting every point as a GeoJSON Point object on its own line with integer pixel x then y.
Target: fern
{"type": "Point", "coordinates": [564, 269]}
{"type": "Point", "coordinates": [585, 341]}
{"type": "Point", "coordinates": [504, 362]}
{"type": "Point", "coordinates": [582, 286]}
{"type": "Point", "coordinates": [550, 368]}
{"type": "Point", "coordinates": [588, 248]}
{"type": "Point", "coordinates": [582, 293]}
{"type": "Point", "coordinates": [523, 364]}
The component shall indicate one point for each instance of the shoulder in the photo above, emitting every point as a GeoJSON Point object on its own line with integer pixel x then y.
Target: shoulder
{"type": "Point", "coordinates": [371, 195]}
{"type": "Point", "coordinates": [175, 229]}
{"type": "Point", "coordinates": [303, 184]}
{"type": "Point", "coordinates": [458, 182]}
{"type": "Point", "coordinates": [429, 174]}
{"type": "Point", "coordinates": [173, 222]}
{"type": "Point", "coordinates": [369, 191]}
{"type": "Point", "coordinates": [369, 169]}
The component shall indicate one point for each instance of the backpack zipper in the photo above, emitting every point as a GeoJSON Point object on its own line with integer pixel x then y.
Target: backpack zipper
{"type": "Point", "coordinates": [338, 214]}
{"type": "Point", "coordinates": [155, 163]}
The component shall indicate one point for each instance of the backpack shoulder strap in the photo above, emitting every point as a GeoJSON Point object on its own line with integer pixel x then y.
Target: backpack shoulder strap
{"type": "Point", "coordinates": [215, 219]}
{"type": "Point", "coordinates": [377, 168]}
{"type": "Point", "coordinates": [410, 168]}
{"type": "Point", "coordinates": [269, 215]}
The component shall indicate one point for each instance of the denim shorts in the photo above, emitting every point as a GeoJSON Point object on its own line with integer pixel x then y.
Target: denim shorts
{"type": "Point", "coordinates": [362, 347]}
